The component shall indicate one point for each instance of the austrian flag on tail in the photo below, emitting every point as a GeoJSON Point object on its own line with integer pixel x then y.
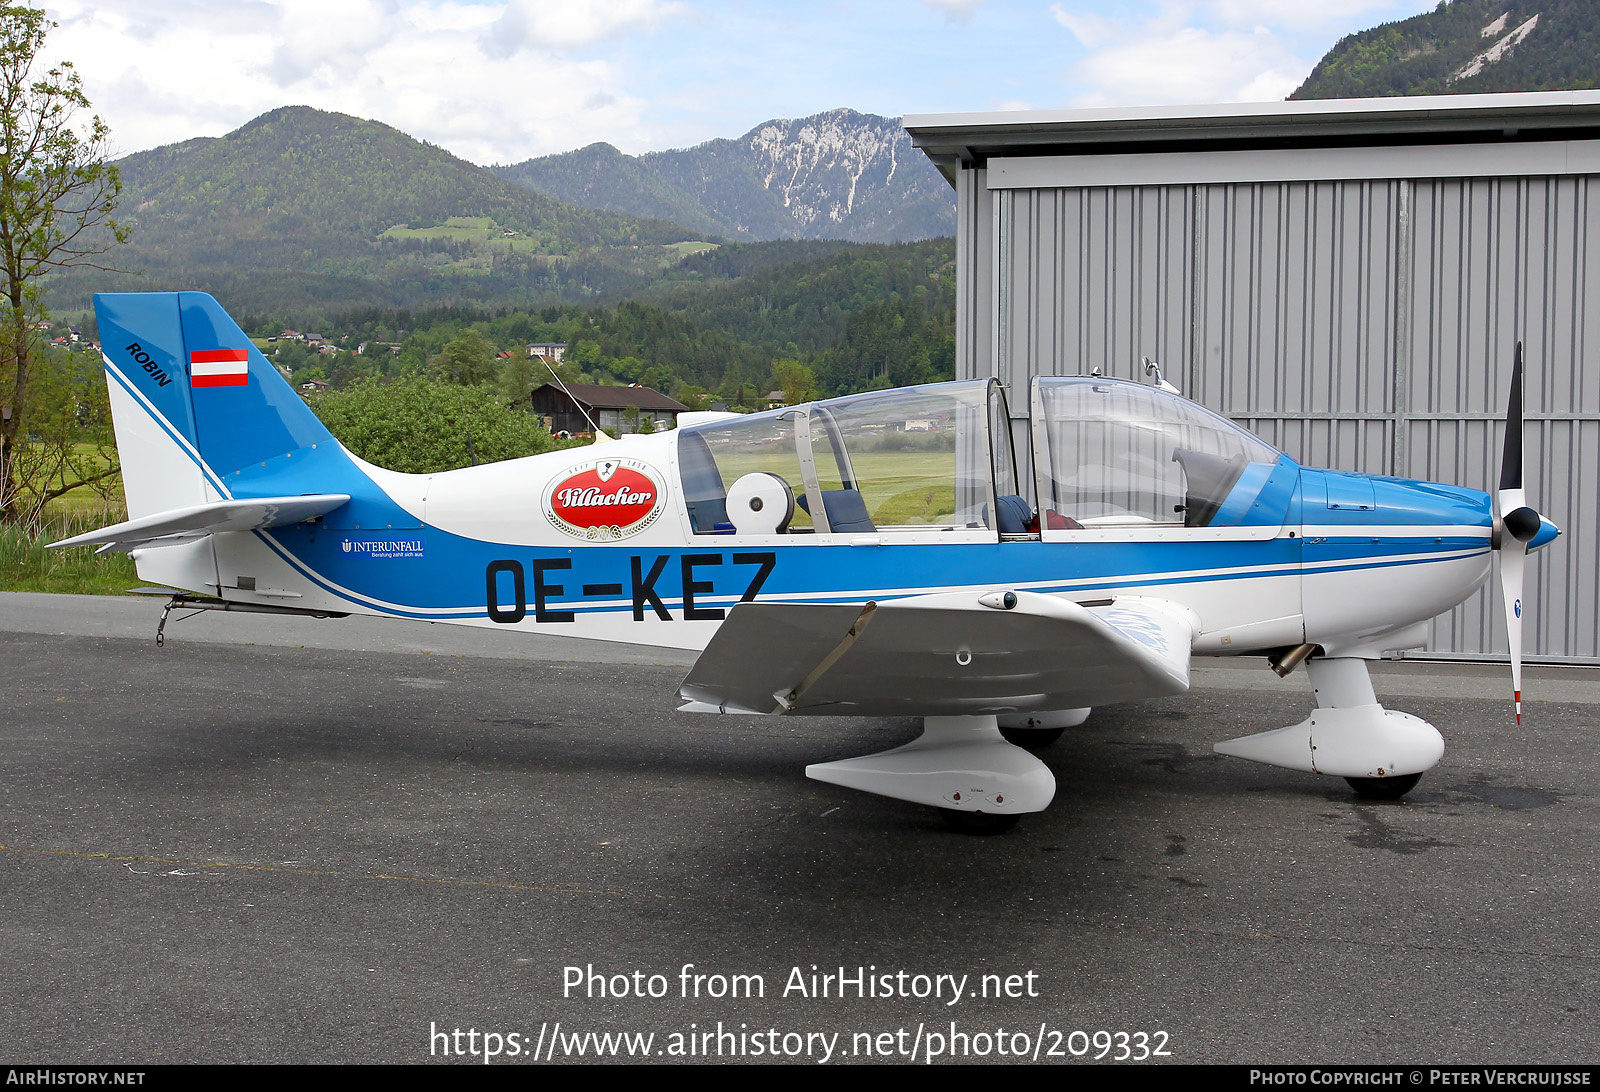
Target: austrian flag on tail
{"type": "Point", "coordinates": [219, 368]}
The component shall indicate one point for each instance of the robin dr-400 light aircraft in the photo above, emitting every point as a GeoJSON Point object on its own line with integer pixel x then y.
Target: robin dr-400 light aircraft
{"type": "Point", "coordinates": [871, 555]}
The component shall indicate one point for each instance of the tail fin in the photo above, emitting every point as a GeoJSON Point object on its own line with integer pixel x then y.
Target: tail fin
{"type": "Point", "coordinates": [198, 410]}
{"type": "Point", "coordinates": [212, 440]}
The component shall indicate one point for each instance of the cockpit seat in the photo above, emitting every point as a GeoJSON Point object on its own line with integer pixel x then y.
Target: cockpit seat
{"type": "Point", "coordinates": [847, 511]}
{"type": "Point", "coordinates": [1209, 478]}
{"type": "Point", "coordinates": [703, 494]}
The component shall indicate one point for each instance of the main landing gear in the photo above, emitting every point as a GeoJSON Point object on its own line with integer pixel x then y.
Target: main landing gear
{"type": "Point", "coordinates": [1380, 752]}
{"type": "Point", "coordinates": [1036, 731]}
{"type": "Point", "coordinates": [977, 822]}
{"type": "Point", "coordinates": [1384, 788]}
{"type": "Point", "coordinates": [960, 765]}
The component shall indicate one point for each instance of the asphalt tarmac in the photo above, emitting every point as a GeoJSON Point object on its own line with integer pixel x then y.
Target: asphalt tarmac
{"type": "Point", "coordinates": [277, 840]}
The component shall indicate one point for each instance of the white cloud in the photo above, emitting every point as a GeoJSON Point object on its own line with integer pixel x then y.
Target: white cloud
{"type": "Point", "coordinates": [160, 71]}
{"type": "Point", "coordinates": [1173, 51]}
{"type": "Point", "coordinates": [955, 10]}
{"type": "Point", "coordinates": [1192, 65]}
{"type": "Point", "coordinates": [1090, 29]}
{"type": "Point", "coordinates": [502, 80]}
{"type": "Point", "coordinates": [317, 40]}
{"type": "Point", "coordinates": [543, 26]}
{"type": "Point", "coordinates": [1301, 14]}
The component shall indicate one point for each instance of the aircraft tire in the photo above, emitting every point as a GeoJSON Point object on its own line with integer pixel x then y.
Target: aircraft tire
{"type": "Point", "coordinates": [1384, 788]}
{"type": "Point", "coordinates": [1031, 739]}
{"type": "Point", "coordinates": [977, 822]}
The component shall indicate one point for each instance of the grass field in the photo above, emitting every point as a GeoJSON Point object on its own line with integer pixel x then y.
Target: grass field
{"type": "Point", "coordinates": [683, 250]}
{"type": "Point", "coordinates": [462, 229]}
{"type": "Point", "coordinates": [900, 488]}
{"type": "Point", "coordinates": [484, 231]}
{"type": "Point", "coordinates": [466, 229]}
{"type": "Point", "coordinates": [26, 565]}
{"type": "Point", "coordinates": [86, 502]}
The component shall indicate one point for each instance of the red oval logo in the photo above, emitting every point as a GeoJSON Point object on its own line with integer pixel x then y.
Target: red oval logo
{"type": "Point", "coordinates": [607, 500]}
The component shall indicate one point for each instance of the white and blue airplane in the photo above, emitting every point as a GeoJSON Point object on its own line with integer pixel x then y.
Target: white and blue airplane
{"type": "Point", "coordinates": [870, 555]}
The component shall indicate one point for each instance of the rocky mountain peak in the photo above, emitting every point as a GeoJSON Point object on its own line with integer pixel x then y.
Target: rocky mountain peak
{"type": "Point", "coordinates": [820, 164]}
{"type": "Point", "coordinates": [841, 174]}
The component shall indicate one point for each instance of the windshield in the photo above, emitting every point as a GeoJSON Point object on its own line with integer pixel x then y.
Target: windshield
{"type": "Point", "coordinates": [1114, 453]}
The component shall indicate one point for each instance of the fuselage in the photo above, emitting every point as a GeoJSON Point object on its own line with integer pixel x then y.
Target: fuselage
{"type": "Point", "coordinates": [1124, 490]}
{"type": "Point", "coordinates": [1346, 561]}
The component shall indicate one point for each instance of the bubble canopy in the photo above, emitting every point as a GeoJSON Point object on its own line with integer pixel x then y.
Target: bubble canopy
{"type": "Point", "coordinates": [909, 459]}
{"type": "Point", "coordinates": [1114, 453]}
{"type": "Point", "coordinates": [939, 457]}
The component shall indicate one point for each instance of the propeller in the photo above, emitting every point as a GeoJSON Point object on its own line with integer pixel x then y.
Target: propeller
{"type": "Point", "coordinates": [1518, 526]}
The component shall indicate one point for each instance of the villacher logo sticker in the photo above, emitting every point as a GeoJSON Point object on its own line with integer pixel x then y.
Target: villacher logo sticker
{"type": "Point", "coordinates": [605, 500]}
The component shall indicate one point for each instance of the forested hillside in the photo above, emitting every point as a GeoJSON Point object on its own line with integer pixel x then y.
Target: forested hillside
{"type": "Point", "coordinates": [1467, 47]}
{"type": "Point", "coordinates": [601, 177]}
{"type": "Point", "coordinates": [301, 207]}
{"type": "Point", "coordinates": [854, 318]}
{"type": "Point", "coordinates": [410, 264]}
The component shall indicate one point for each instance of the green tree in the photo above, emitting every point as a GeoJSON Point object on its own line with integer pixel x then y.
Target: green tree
{"type": "Point", "coordinates": [69, 443]}
{"type": "Point", "coordinates": [570, 371]}
{"type": "Point", "coordinates": [291, 355]}
{"type": "Point", "coordinates": [636, 422]}
{"type": "Point", "coordinates": [796, 380]}
{"type": "Point", "coordinates": [518, 378]}
{"type": "Point", "coordinates": [692, 395]}
{"type": "Point", "coordinates": [421, 426]}
{"type": "Point", "coordinates": [585, 354]}
{"type": "Point", "coordinates": [467, 359]}
{"type": "Point", "coordinates": [57, 194]}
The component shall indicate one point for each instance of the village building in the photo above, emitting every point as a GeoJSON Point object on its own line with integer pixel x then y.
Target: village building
{"type": "Point", "coordinates": [562, 409]}
{"type": "Point", "coordinates": [552, 351]}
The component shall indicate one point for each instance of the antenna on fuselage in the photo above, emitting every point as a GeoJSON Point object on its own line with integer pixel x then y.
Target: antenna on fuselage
{"type": "Point", "coordinates": [1152, 368]}
{"type": "Point", "coordinates": [599, 436]}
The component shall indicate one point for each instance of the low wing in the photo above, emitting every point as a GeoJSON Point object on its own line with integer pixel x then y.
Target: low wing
{"type": "Point", "coordinates": [953, 654]}
{"type": "Point", "coordinates": [183, 524]}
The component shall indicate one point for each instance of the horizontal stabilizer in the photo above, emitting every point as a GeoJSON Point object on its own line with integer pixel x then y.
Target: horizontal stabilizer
{"type": "Point", "coordinates": [183, 524]}
{"type": "Point", "coordinates": [949, 654]}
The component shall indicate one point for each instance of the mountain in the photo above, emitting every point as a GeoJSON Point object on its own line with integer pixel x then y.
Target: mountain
{"type": "Point", "coordinates": [300, 206]}
{"type": "Point", "coordinates": [1467, 47]}
{"type": "Point", "coordinates": [838, 175]}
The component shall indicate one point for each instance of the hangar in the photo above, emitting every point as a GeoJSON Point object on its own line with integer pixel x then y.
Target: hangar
{"type": "Point", "coordinates": [1347, 278]}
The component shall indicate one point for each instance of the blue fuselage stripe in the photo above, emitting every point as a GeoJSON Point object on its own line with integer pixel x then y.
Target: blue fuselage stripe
{"type": "Point", "coordinates": [442, 575]}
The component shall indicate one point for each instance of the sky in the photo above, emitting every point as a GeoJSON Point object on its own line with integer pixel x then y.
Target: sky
{"type": "Point", "coordinates": [500, 81]}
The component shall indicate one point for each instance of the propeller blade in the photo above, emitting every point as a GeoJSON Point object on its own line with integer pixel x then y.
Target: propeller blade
{"type": "Point", "coordinates": [1519, 524]}
{"type": "Point", "coordinates": [1511, 455]}
{"type": "Point", "coordinates": [1512, 556]}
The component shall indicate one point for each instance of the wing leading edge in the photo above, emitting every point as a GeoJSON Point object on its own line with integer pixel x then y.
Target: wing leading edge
{"type": "Point", "coordinates": [949, 654]}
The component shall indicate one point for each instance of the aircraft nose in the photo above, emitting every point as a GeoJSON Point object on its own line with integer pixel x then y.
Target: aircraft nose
{"type": "Point", "coordinates": [1548, 532]}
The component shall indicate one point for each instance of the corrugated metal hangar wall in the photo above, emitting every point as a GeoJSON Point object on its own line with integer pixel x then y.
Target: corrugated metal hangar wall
{"type": "Point", "coordinates": [1357, 306]}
